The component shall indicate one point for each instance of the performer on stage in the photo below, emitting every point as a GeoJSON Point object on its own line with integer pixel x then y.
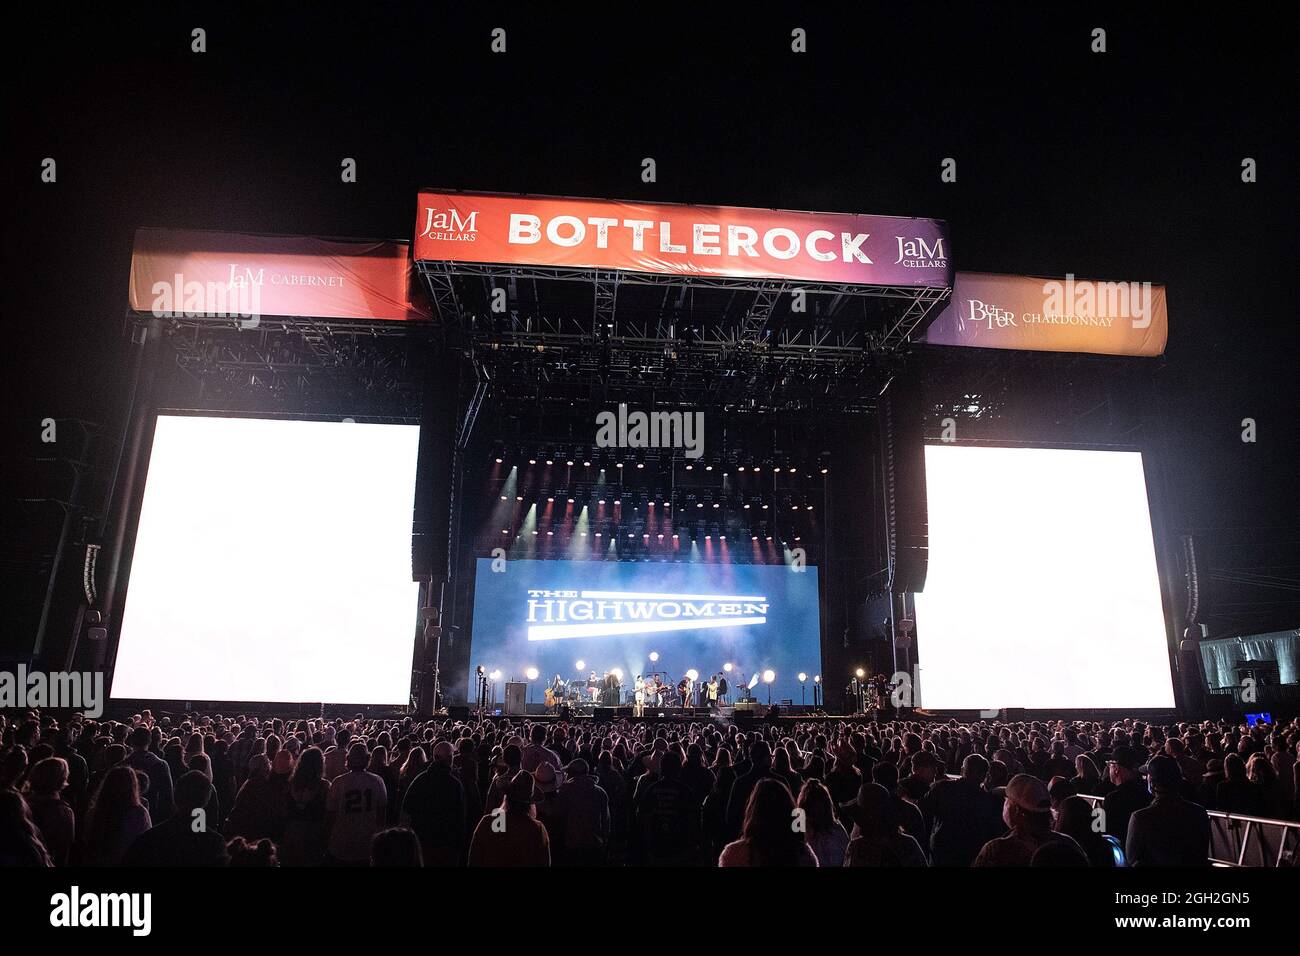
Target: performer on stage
{"type": "Point", "coordinates": [684, 691]}
{"type": "Point", "coordinates": [638, 696]}
{"type": "Point", "coordinates": [722, 687]}
{"type": "Point", "coordinates": [712, 692]}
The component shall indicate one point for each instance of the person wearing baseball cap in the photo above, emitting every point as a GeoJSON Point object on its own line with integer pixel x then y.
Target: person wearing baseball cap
{"type": "Point", "coordinates": [1172, 831]}
{"type": "Point", "coordinates": [1130, 793]}
{"type": "Point", "coordinates": [1027, 812]}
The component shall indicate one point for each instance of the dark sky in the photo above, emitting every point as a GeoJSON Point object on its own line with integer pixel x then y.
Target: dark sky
{"type": "Point", "coordinates": [1123, 165]}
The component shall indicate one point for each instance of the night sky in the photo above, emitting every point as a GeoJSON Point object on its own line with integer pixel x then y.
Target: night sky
{"type": "Point", "coordinates": [1122, 165]}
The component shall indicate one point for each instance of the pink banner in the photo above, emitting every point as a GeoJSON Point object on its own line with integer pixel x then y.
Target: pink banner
{"type": "Point", "coordinates": [1053, 315]}
{"type": "Point", "coordinates": [195, 273]}
{"type": "Point", "coordinates": [673, 239]}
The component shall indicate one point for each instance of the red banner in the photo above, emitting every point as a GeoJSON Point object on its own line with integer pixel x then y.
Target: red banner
{"type": "Point", "coordinates": [724, 241]}
{"type": "Point", "coordinates": [195, 273]}
{"type": "Point", "coordinates": [1053, 315]}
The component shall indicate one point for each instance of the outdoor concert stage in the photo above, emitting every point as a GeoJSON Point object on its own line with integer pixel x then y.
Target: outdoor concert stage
{"type": "Point", "coordinates": [584, 437]}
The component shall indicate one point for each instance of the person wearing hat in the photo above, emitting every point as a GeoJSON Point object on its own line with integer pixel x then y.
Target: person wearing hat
{"type": "Point", "coordinates": [878, 839]}
{"type": "Point", "coordinates": [510, 835]}
{"type": "Point", "coordinates": [1172, 831]}
{"type": "Point", "coordinates": [582, 818]}
{"type": "Point", "coordinates": [1130, 793]}
{"type": "Point", "coordinates": [1027, 812]}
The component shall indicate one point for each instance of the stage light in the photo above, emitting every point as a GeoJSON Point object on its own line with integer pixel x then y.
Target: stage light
{"type": "Point", "coordinates": [860, 673]}
{"type": "Point", "coordinates": [699, 504]}
{"type": "Point", "coordinates": [746, 505]}
{"type": "Point", "coordinates": [498, 461]}
{"type": "Point", "coordinates": [570, 501]}
{"type": "Point", "coordinates": [764, 507]}
{"type": "Point", "coordinates": [531, 673]}
{"type": "Point", "coordinates": [534, 532]}
{"type": "Point", "coordinates": [619, 465]}
{"type": "Point", "coordinates": [693, 674]}
{"type": "Point", "coordinates": [569, 462]}
{"type": "Point", "coordinates": [505, 530]}
{"type": "Point", "coordinates": [503, 497]}
{"type": "Point", "coordinates": [690, 467]}
{"type": "Point", "coordinates": [793, 469]}
{"type": "Point", "coordinates": [654, 656]}
{"type": "Point", "coordinates": [824, 470]}
{"type": "Point", "coordinates": [582, 533]}
{"type": "Point", "coordinates": [708, 467]}
{"type": "Point", "coordinates": [581, 665]}
{"type": "Point", "coordinates": [817, 678]}
{"type": "Point", "coordinates": [550, 461]}
{"type": "Point", "coordinates": [808, 508]}
{"type": "Point", "coordinates": [769, 537]}
{"type": "Point", "coordinates": [798, 538]}
{"type": "Point", "coordinates": [496, 674]}
{"type": "Point", "coordinates": [769, 676]}
{"type": "Point", "coordinates": [722, 537]}
{"type": "Point", "coordinates": [640, 464]}
{"type": "Point", "coordinates": [597, 534]}
{"type": "Point", "coordinates": [586, 464]}
{"type": "Point", "coordinates": [753, 682]}
{"type": "Point", "coordinates": [738, 468]}
{"type": "Point", "coordinates": [602, 501]}
{"type": "Point", "coordinates": [667, 504]}
{"type": "Point", "coordinates": [674, 536]}
{"type": "Point", "coordinates": [756, 468]}
{"type": "Point", "coordinates": [661, 535]}
{"type": "Point", "coordinates": [708, 537]}
{"type": "Point", "coordinates": [532, 461]}
{"type": "Point", "coordinates": [794, 507]}
{"type": "Point", "coordinates": [550, 501]}
{"type": "Point", "coordinates": [776, 470]}
{"type": "Point", "coordinates": [727, 667]}
{"type": "Point", "coordinates": [716, 505]}
{"type": "Point", "coordinates": [617, 502]}
{"type": "Point", "coordinates": [617, 672]}
{"type": "Point", "coordinates": [754, 538]}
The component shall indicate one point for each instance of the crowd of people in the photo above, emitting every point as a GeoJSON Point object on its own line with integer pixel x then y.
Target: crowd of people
{"type": "Point", "coordinates": [248, 790]}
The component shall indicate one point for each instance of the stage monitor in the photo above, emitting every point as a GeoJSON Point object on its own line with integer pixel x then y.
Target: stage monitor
{"type": "Point", "coordinates": [574, 617]}
{"type": "Point", "coordinates": [272, 563]}
{"type": "Point", "coordinates": [1043, 591]}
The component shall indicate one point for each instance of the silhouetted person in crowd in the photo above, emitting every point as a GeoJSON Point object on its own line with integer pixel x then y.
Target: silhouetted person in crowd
{"type": "Point", "coordinates": [1129, 792]}
{"type": "Point", "coordinates": [115, 818]}
{"type": "Point", "coordinates": [434, 806]}
{"type": "Point", "coordinates": [159, 792]}
{"type": "Point", "coordinates": [510, 835]}
{"type": "Point", "coordinates": [959, 814]}
{"type": "Point", "coordinates": [184, 838]}
{"type": "Point", "coordinates": [768, 837]}
{"type": "Point", "coordinates": [396, 847]}
{"type": "Point", "coordinates": [1172, 831]}
{"type": "Point", "coordinates": [879, 839]}
{"type": "Point", "coordinates": [1027, 812]}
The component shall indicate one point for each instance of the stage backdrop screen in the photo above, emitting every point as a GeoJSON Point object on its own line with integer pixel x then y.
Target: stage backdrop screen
{"type": "Point", "coordinates": [1042, 590]}
{"type": "Point", "coordinates": [613, 614]}
{"type": "Point", "coordinates": [272, 563]}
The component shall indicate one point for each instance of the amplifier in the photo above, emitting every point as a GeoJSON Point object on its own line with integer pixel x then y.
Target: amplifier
{"type": "Point", "coordinates": [516, 697]}
{"type": "Point", "coordinates": [746, 707]}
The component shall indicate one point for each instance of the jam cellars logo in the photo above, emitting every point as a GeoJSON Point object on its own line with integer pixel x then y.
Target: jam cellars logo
{"type": "Point", "coordinates": [916, 253]}
{"type": "Point", "coordinates": [448, 225]}
{"type": "Point", "coordinates": [555, 615]}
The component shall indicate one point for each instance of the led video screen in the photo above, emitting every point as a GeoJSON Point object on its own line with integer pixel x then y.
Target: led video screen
{"type": "Point", "coordinates": [573, 617]}
{"type": "Point", "coordinates": [1042, 590]}
{"type": "Point", "coordinates": [273, 563]}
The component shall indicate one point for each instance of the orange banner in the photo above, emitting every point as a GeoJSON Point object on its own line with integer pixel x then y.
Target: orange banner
{"type": "Point", "coordinates": [1053, 315]}
{"type": "Point", "coordinates": [219, 274]}
{"type": "Point", "coordinates": [730, 241]}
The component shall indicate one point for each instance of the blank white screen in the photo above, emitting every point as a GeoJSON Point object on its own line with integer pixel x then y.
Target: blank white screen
{"type": "Point", "coordinates": [1042, 589]}
{"type": "Point", "coordinates": [272, 563]}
